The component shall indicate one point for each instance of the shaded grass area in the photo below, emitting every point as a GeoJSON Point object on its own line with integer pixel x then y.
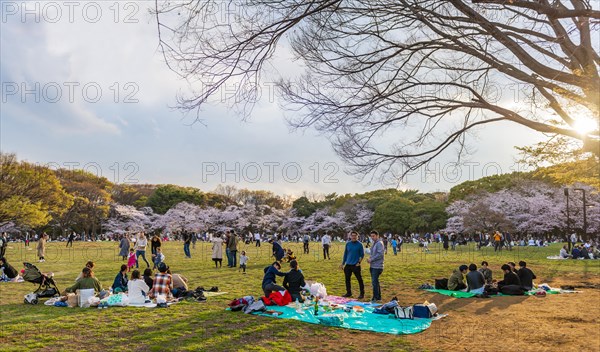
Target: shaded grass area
{"type": "Point", "coordinates": [207, 326]}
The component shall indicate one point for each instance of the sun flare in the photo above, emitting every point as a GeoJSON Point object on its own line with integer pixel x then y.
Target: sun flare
{"type": "Point", "coordinates": [585, 125]}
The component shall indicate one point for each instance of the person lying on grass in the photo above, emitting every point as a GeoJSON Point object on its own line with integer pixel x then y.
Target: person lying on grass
{"type": "Point", "coordinates": [456, 281]}
{"type": "Point", "coordinates": [87, 281]}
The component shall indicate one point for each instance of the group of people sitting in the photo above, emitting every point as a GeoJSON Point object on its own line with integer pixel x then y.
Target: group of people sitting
{"type": "Point", "coordinates": [480, 281]}
{"type": "Point", "coordinates": [582, 251]}
{"type": "Point", "coordinates": [293, 280]}
{"type": "Point", "coordinates": [139, 288]}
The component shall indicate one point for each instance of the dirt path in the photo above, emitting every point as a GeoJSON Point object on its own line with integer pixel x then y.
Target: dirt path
{"type": "Point", "coordinates": [566, 322]}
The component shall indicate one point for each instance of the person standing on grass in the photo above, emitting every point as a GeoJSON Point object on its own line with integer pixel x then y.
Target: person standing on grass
{"type": "Point", "coordinates": [306, 241]}
{"type": "Point", "coordinates": [395, 245]}
{"type": "Point", "coordinates": [227, 252]}
{"type": "Point", "coordinates": [573, 241]}
{"type": "Point", "coordinates": [124, 247]}
{"type": "Point", "coordinates": [243, 261]}
{"type": "Point", "coordinates": [217, 250]}
{"type": "Point", "coordinates": [187, 240]}
{"type": "Point", "coordinates": [232, 244]}
{"type": "Point", "coordinates": [41, 247]}
{"type": "Point", "coordinates": [257, 239]}
{"type": "Point", "coordinates": [70, 239]}
{"type": "Point", "coordinates": [326, 242]}
{"type": "Point", "coordinates": [278, 251]}
{"type": "Point", "coordinates": [497, 241]}
{"type": "Point", "coordinates": [155, 244]}
{"type": "Point", "coordinates": [376, 261]}
{"type": "Point", "coordinates": [445, 241]}
{"type": "Point", "coordinates": [353, 256]}
{"type": "Point", "coordinates": [140, 249]}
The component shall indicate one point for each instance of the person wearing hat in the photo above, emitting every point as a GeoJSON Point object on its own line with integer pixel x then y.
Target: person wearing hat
{"type": "Point", "coordinates": [163, 283]}
{"type": "Point", "coordinates": [456, 281]}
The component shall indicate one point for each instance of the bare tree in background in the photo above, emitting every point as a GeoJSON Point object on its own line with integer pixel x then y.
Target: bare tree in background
{"type": "Point", "coordinates": [395, 83]}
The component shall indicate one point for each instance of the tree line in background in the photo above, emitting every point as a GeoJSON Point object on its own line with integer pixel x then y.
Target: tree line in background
{"type": "Point", "coordinates": [34, 197]}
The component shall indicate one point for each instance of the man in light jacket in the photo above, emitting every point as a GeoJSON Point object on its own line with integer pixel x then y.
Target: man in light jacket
{"type": "Point", "coordinates": [376, 261]}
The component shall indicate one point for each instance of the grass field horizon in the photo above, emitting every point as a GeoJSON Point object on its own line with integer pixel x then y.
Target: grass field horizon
{"type": "Point", "coordinates": [207, 326]}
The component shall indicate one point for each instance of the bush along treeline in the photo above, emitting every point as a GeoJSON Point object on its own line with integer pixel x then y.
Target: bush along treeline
{"type": "Point", "coordinates": [36, 198]}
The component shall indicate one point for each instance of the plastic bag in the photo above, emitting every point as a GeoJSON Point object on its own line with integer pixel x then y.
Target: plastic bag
{"type": "Point", "coordinates": [161, 299]}
{"type": "Point", "coordinates": [93, 301]}
{"type": "Point", "coordinates": [318, 290]}
{"type": "Point", "coordinates": [84, 296]}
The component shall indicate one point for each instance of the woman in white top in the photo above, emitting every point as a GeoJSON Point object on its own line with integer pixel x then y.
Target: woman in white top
{"type": "Point", "coordinates": [137, 290]}
{"type": "Point", "coordinates": [140, 249]}
{"type": "Point", "coordinates": [217, 250]}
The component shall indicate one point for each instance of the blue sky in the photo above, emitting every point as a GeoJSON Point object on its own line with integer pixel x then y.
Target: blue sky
{"type": "Point", "coordinates": [130, 125]}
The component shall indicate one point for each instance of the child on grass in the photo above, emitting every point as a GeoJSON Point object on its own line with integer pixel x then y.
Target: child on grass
{"type": "Point", "coordinates": [243, 261]}
{"type": "Point", "coordinates": [158, 257]}
{"type": "Point", "coordinates": [132, 259]}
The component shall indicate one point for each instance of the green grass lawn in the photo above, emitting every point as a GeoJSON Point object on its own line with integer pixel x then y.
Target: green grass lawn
{"type": "Point", "coordinates": [207, 326]}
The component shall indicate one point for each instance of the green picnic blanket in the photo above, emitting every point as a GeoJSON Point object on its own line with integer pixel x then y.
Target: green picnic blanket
{"type": "Point", "coordinates": [367, 321]}
{"type": "Point", "coordinates": [461, 294]}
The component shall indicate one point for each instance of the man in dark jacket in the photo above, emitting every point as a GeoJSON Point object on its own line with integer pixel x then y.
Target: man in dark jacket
{"type": "Point", "coordinates": [510, 277]}
{"type": "Point", "coordinates": [278, 252]}
{"type": "Point", "coordinates": [269, 284]}
{"type": "Point", "coordinates": [475, 280]}
{"type": "Point", "coordinates": [232, 244]}
{"type": "Point", "coordinates": [294, 281]}
{"type": "Point", "coordinates": [526, 276]}
{"type": "Point", "coordinates": [8, 270]}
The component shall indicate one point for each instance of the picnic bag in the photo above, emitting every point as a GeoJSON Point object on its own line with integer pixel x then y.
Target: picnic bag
{"type": "Point", "coordinates": [514, 290]}
{"type": "Point", "coordinates": [421, 311]}
{"type": "Point", "coordinates": [403, 312]}
{"type": "Point", "coordinates": [441, 284]}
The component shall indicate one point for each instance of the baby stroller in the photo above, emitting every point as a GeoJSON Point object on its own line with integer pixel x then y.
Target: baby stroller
{"type": "Point", "coordinates": [47, 287]}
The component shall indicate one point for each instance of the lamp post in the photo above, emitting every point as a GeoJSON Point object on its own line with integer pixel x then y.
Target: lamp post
{"type": "Point", "coordinates": [584, 211]}
{"type": "Point", "coordinates": [568, 220]}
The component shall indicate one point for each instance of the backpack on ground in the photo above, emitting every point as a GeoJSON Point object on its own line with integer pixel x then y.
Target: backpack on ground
{"type": "Point", "coordinates": [513, 290]}
{"type": "Point", "coordinates": [403, 312]}
{"type": "Point", "coordinates": [441, 284]}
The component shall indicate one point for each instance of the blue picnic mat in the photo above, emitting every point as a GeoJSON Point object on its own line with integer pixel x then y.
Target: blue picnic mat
{"type": "Point", "coordinates": [367, 321]}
